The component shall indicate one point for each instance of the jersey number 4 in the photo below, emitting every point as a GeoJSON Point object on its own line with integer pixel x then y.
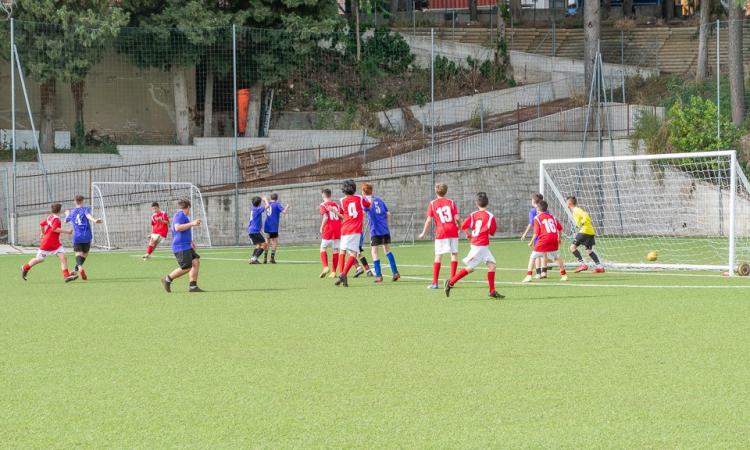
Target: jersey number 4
{"type": "Point", "coordinates": [352, 208]}
{"type": "Point", "coordinates": [444, 214]}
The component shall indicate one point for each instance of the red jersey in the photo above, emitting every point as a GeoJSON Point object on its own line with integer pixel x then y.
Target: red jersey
{"type": "Point", "coordinates": [157, 227]}
{"type": "Point", "coordinates": [547, 229]}
{"type": "Point", "coordinates": [353, 209]}
{"type": "Point", "coordinates": [332, 224]}
{"type": "Point", "coordinates": [444, 211]}
{"type": "Point", "coordinates": [482, 225]}
{"type": "Point", "coordinates": [50, 239]}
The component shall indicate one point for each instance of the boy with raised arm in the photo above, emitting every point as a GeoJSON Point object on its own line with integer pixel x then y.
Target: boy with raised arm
{"type": "Point", "coordinates": [274, 211]}
{"type": "Point", "coordinates": [81, 219]}
{"type": "Point", "coordinates": [254, 227]}
{"type": "Point", "coordinates": [50, 245]}
{"type": "Point", "coordinates": [445, 214]}
{"type": "Point", "coordinates": [183, 248]}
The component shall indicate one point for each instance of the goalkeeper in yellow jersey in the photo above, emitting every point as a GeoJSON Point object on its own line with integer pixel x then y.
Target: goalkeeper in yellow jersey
{"type": "Point", "coordinates": [585, 237]}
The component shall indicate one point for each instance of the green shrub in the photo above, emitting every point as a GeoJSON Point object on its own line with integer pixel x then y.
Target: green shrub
{"type": "Point", "coordinates": [445, 68]}
{"type": "Point", "coordinates": [385, 51]}
{"type": "Point", "coordinates": [692, 127]}
{"type": "Point", "coordinates": [653, 131]}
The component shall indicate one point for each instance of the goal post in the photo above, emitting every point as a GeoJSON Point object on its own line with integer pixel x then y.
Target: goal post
{"type": "Point", "coordinates": [692, 210]}
{"type": "Point", "coordinates": [125, 208]}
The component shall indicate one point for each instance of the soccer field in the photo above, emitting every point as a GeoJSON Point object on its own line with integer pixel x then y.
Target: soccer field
{"type": "Point", "coordinates": [273, 356]}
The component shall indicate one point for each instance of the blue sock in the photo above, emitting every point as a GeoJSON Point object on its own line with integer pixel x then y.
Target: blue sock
{"type": "Point", "coordinates": [392, 262]}
{"type": "Point", "coordinates": [378, 271]}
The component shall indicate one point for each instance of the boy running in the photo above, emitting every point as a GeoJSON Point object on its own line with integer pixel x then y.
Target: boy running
{"type": "Point", "coordinates": [586, 236]}
{"type": "Point", "coordinates": [159, 229]}
{"type": "Point", "coordinates": [254, 227]}
{"type": "Point", "coordinates": [546, 241]}
{"type": "Point", "coordinates": [536, 197]}
{"type": "Point", "coordinates": [183, 248]}
{"type": "Point", "coordinates": [274, 211]}
{"type": "Point", "coordinates": [352, 217]}
{"type": "Point", "coordinates": [330, 233]}
{"type": "Point", "coordinates": [482, 225]}
{"type": "Point", "coordinates": [81, 218]}
{"type": "Point", "coordinates": [380, 233]}
{"type": "Point", "coordinates": [445, 214]}
{"type": "Point", "coordinates": [50, 245]}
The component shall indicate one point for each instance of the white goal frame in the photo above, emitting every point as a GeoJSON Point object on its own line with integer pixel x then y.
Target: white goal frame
{"type": "Point", "coordinates": [97, 193]}
{"type": "Point", "coordinates": [546, 184]}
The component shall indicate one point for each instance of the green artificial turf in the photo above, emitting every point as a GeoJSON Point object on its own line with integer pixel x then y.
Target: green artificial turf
{"type": "Point", "coordinates": [273, 356]}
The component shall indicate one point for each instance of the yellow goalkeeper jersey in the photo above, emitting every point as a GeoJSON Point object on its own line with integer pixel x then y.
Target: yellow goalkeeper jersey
{"type": "Point", "coordinates": [583, 221]}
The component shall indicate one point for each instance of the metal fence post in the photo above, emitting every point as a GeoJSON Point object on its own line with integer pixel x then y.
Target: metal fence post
{"type": "Point", "coordinates": [622, 63]}
{"type": "Point", "coordinates": [432, 104]}
{"type": "Point", "coordinates": [414, 17]}
{"type": "Point", "coordinates": [13, 220]}
{"type": "Point", "coordinates": [718, 81]}
{"type": "Point", "coordinates": [235, 144]}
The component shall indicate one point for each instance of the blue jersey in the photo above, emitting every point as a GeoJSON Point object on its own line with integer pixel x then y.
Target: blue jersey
{"type": "Point", "coordinates": [273, 217]}
{"type": "Point", "coordinates": [181, 240]}
{"type": "Point", "coordinates": [256, 219]}
{"type": "Point", "coordinates": [377, 215]}
{"type": "Point", "coordinates": [532, 215]}
{"type": "Point", "coordinates": [81, 225]}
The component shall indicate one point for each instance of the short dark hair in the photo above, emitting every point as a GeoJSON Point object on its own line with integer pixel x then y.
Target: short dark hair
{"type": "Point", "coordinates": [78, 199]}
{"type": "Point", "coordinates": [183, 203]}
{"type": "Point", "coordinates": [349, 187]}
{"type": "Point", "coordinates": [326, 192]}
{"type": "Point", "coordinates": [55, 208]}
{"type": "Point", "coordinates": [256, 201]}
{"type": "Point", "coordinates": [572, 199]}
{"type": "Point", "coordinates": [482, 199]}
{"type": "Point", "coordinates": [274, 196]}
{"type": "Point", "coordinates": [536, 197]}
{"type": "Point", "coordinates": [542, 205]}
{"type": "Point", "coordinates": [155, 205]}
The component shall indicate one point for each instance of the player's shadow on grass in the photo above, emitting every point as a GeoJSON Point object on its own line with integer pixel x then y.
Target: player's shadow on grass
{"type": "Point", "coordinates": [258, 289]}
{"type": "Point", "coordinates": [121, 280]}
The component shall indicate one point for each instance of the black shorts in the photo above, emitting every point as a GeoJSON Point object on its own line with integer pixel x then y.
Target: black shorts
{"type": "Point", "coordinates": [273, 235]}
{"type": "Point", "coordinates": [380, 240]}
{"type": "Point", "coordinates": [257, 238]}
{"type": "Point", "coordinates": [82, 247]}
{"type": "Point", "coordinates": [185, 258]}
{"type": "Point", "coordinates": [587, 240]}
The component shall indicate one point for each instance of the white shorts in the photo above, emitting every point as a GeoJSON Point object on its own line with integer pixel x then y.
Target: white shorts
{"type": "Point", "coordinates": [350, 242]}
{"type": "Point", "coordinates": [333, 243]}
{"type": "Point", "coordinates": [443, 246]}
{"type": "Point", "coordinates": [549, 255]}
{"type": "Point", "coordinates": [156, 238]}
{"type": "Point", "coordinates": [478, 255]}
{"type": "Point", "coordinates": [43, 254]}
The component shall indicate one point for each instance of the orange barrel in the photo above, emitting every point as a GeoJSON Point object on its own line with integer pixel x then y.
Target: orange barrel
{"type": "Point", "coordinates": [243, 100]}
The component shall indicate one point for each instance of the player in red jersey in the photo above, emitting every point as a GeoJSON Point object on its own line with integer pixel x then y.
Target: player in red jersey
{"type": "Point", "coordinates": [352, 211]}
{"type": "Point", "coordinates": [50, 245]}
{"type": "Point", "coordinates": [330, 233]}
{"type": "Point", "coordinates": [546, 240]}
{"type": "Point", "coordinates": [481, 224]}
{"type": "Point", "coordinates": [159, 228]}
{"type": "Point", "coordinates": [445, 214]}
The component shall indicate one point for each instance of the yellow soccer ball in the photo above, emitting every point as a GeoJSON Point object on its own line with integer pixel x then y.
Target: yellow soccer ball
{"type": "Point", "coordinates": [651, 256]}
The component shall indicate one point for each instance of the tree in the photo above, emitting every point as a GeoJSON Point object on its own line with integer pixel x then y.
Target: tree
{"type": "Point", "coordinates": [627, 8]}
{"type": "Point", "coordinates": [701, 71]}
{"type": "Point", "coordinates": [591, 33]}
{"type": "Point", "coordinates": [736, 70]}
{"type": "Point", "coordinates": [502, 57]}
{"type": "Point", "coordinates": [515, 10]}
{"type": "Point", "coordinates": [606, 8]}
{"type": "Point", "coordinates": [473, 10]}
{"type": "Point", "coordinates": [61, 41]}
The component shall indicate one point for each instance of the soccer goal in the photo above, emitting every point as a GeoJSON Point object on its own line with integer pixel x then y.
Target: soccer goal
{"type": "Point", "coordinates": [688, 210]}
{"type": "Point", "coordinates": [126, 210]}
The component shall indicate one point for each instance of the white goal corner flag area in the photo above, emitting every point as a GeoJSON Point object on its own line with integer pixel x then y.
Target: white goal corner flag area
{"type": "Point", "coordinates": [126, 211]}
{"type": "Point", "coordinates": [691, 209]}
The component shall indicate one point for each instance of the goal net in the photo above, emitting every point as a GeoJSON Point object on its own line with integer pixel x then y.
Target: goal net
{"type": "Point", "coordinates": [691, 209]}
{"type": "Point", "coordinates": [126, 210]}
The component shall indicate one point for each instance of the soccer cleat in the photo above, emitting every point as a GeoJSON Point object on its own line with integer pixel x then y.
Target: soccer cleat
{"type": "Point", "coordinates": [369, 273]}
{"type": "Point", "coordinates": [543, 276]}
{"type": "Point", "coordinates": [195, 289]}
{"type": "Point", "coordinates": [254, 261]}
{"type": "Point", "coordinates": [448, 288]}
{"type": "Point", "coordinates": [563, 278]}
{"type": "Point", "coordinates": [378, 279]}
{"type": "Point", "coordinates": [359, 272]}
{"type": "Point", "coordinates": [273, 260]}
{"type": "Point", "coordinates": [599, 269]}
{"type": "Point", "coordinates": [581, 268]}
{"type": "Point", "coordinates": [342, 281]}
{"type": "Point", "coordinates": [72, 277]}
{"type": "Point", "coordinates": [433, 286]}
{"type": "Point", "coordinates": [146, 257]}
{"type": "Point", "coordinates": [537, 277]}
{"type": "Point", "coordinates": [396, 276]}
{"type": "Point", "coordinates": [325, 272]}
{"type": "Point", "coordinates": [332, 275]}
{"type": "Point", "coordinates": [167, 285]}
{"type": "Point", "coordinates": [497, 295]}
{"type": "Point", "coordinates": [527, 279]}
{"type": "Point", "coordinates": [24, 273]}
{"type": "Point", "coordinates": [83, 274]}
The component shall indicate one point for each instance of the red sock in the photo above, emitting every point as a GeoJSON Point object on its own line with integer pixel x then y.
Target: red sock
{"type": "Point", "coordinates": [435, 272]}
{"type": "Point", "coordinates": [335, 261]}
{"type": "Point", "coordinates": [562, 271]}
{"type": "Point", "coordinates": [454, 268]}
{"type": "Point", "coordinates": [149, 249]}
{"type": "Point", "coordinates": [26, 267]}
{"type": "Point", "coordinates": [491, 281]}
{"type": "Point", "coordinates": [349, 263]}
{"type": "Point", "coordinates": [66, 273]}
{"type": "Point", "coordinates": [342, 260]}
{"type": "Point", "coordinates": [458, 276]}
{"type": "Point", "coordinates": [324, 259]}
{"type": "Point", "coordinates": [529, 273]}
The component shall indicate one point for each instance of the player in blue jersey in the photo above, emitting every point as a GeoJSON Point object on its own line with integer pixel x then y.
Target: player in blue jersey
{"type": "Point", "coordinates": [183, 248]}
{"type": "Point", "coordinates": [380, 233]}
{"type": "Point", "coordinates": [274, 211]}
{"type": "Point", "coordinates": [254, 228]}
{"type": "Point", "coordinates": [81, 219]}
